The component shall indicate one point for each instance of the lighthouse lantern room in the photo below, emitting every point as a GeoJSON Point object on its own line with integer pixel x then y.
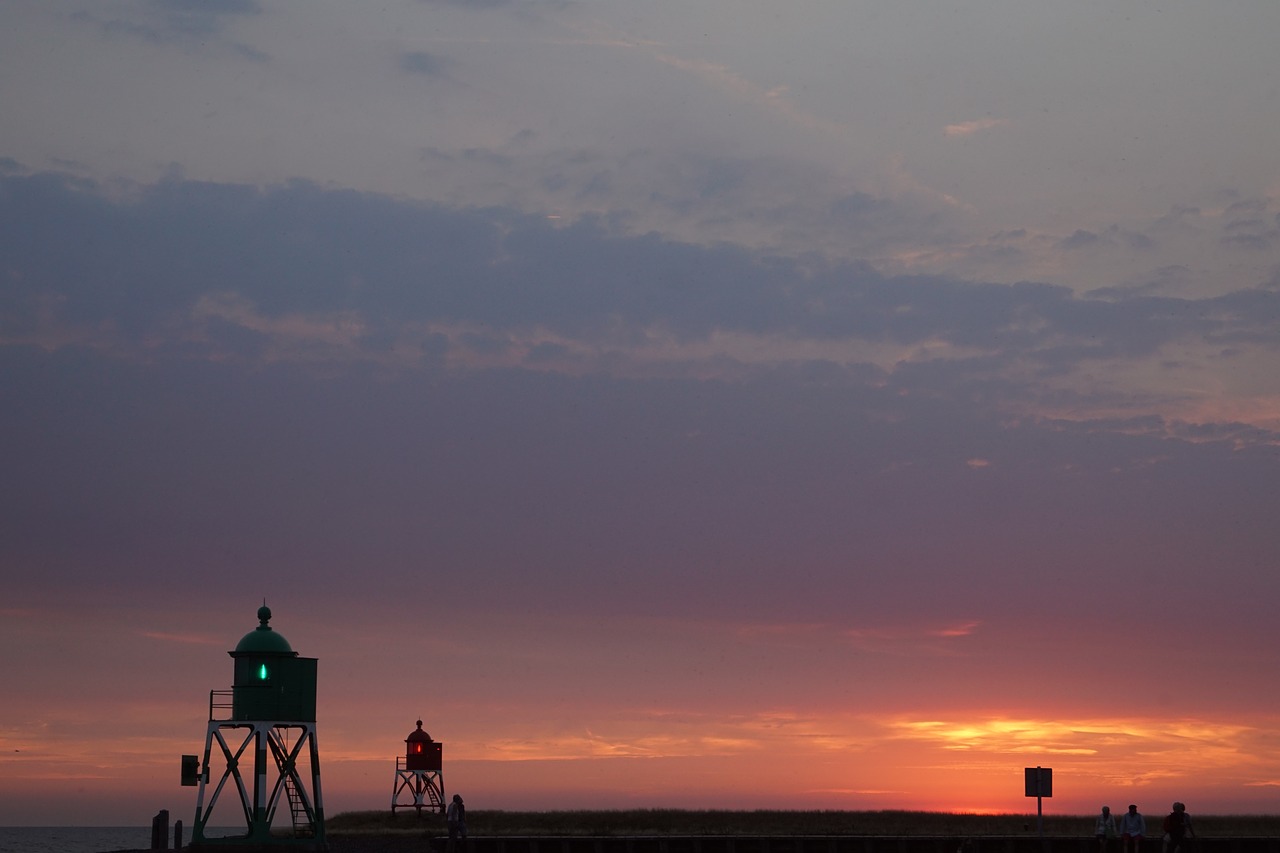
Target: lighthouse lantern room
{"type": "Point", "coordinates": [419, 774]}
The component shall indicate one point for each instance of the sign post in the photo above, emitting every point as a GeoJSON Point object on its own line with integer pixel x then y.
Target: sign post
{"type": "Point", "coordinates": [1039, 782]}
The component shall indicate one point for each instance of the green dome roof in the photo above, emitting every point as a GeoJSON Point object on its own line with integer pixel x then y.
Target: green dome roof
{"type": "Point", "coordinates": [263, 640]}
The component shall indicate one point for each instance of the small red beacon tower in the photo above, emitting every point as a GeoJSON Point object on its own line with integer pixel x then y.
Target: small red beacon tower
{"type": "Point", "coordinates": [419, 773]}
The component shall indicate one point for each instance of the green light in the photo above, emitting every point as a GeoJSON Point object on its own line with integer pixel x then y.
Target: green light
{"type": "Point", "coordinates": [262, 672]}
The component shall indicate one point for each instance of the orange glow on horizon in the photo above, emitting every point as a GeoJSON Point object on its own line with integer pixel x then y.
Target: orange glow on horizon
{"type": "Point", "coordinates": [850, 762]}
{"type": "Point", "coordinates": [603, 750]}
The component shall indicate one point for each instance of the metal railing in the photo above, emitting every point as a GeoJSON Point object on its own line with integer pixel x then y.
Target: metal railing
{"type": "Point", "coordinates": [220, 700]}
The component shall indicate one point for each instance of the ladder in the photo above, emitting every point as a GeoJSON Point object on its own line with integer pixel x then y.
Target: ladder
{"type": "Point", "coordinates": [303, 826]}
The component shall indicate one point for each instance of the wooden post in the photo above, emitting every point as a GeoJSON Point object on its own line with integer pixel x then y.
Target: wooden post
{"type": "Point", "coordinates": [160, 830]}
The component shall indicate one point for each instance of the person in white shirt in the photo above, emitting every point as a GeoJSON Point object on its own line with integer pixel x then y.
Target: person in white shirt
{"type": "Point", "coordinates": [1133, 827]}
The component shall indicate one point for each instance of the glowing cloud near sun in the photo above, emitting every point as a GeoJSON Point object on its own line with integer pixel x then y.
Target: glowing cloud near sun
{"type": "Point", "coordinates": [969, 128]}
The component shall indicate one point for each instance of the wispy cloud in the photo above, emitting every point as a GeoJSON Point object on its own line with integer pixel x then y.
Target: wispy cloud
{"type": "Point", "coordinates": [185, 639]}
{"type": "Point", "coordinates": [970, 128]}
{"type": "Point", "coordinates": [912, 632]}
{"type": "Point", "coordinates": [1209, 740]}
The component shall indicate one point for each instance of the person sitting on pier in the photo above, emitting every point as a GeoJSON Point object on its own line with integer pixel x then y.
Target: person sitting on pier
{"type": "Point", "coordinates": [1177, 829]}
{"type": "Point", "coordinates": [1133, 826]}
{"type": "Point", "coordinates": [1105, 828]}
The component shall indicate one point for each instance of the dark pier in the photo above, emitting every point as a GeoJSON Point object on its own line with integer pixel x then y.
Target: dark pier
{"type": "Point", "coordinates": [821, 844]}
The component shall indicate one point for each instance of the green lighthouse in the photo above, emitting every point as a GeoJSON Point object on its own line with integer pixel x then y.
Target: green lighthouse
{"type": "Point", "coordinates": [268, 717]}
{"type": "Point", "coordinates": [271, 681]}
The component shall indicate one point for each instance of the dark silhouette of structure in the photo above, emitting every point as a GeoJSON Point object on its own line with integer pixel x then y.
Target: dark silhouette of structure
{"type": "Point", "coordinates": [419, 774]}
{"type": "Point", "coordinates": [262, 733]}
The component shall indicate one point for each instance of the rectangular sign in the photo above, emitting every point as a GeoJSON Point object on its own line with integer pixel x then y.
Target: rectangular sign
{"type": "Point", "coordinates": [1039, 781]}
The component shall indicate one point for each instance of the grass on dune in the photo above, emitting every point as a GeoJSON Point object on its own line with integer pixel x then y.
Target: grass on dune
{"type": "Point", "coordinates": [640, 822]}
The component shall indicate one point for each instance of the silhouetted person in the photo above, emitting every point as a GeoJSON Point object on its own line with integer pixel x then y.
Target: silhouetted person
{"type": "Point", "coordinates": [456, 815]}
{"type": "Point", "coordinates": [1133, 827]}
{"type": "Point", "coordinates": [1177, 829]}
{"type": "Point", "coordinates": [1105, 828]}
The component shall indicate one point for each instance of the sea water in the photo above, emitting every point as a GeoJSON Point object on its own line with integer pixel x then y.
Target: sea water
{"type": "Point", "coordinates": [87, 839]}
{"type": "Point", "coordinates": [73, 839]}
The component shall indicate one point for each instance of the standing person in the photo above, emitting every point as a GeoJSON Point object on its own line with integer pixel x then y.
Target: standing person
{"type": "Point", "coordinates": [1133, 827]}
{"type": "Point", "coordinates": [1177, 829]}
{"type": "Point", "coordinates": [457, 817]}
{"type": "Point", "coordinates": [1105, 828]}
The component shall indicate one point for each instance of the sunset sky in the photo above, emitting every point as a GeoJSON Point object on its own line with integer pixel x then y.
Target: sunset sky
{"type": "Point", "coordinates": [673, 403]}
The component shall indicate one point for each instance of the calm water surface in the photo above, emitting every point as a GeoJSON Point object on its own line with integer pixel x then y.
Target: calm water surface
{"type": "Point", "coordinates": [73, 839]}
{"type": "Point", "coordinates": [84, 839]}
